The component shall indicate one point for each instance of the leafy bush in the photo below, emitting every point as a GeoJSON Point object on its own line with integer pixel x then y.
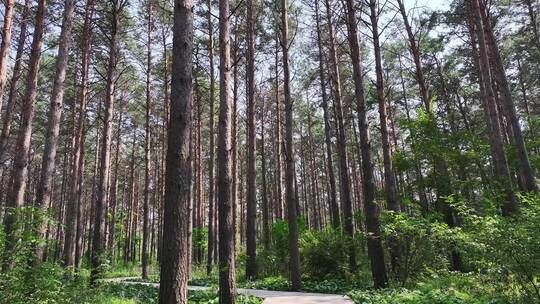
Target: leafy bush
{"type": "Point", "coordinates": [275, 261]}
{"type": "Point", "coordinates": [446, 288]}
{"type": "Point", "coordinates": [422, 244]}
{"type": "Point", "coordinates": [507, 248]}
{"type": "Point", "coordinates": [324, 254]}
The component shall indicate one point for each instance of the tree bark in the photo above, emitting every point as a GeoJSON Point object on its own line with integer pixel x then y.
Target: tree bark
{"type": "Point", "coordinates": [48, 166]}
{"type": "Point", "coordinates": [499, 74]}
{"type": "Point", "coordinates": [211, 176]}
{"type": "Point", "coordinates": [13, 90]}
{"type": "Point", "coordinates": [251, 191]}
{"type": "Point", "coordinates": [390, 188]}
{"type": "Point", "coordinates": [502, 171]}
{"type": "Point", "coordinates": [16, 195]}
{"type": "Point", "coordinates": [371, 210]}
{"type": "Point", "coordinates": [175, 251]}
{"type": "Point", "coordinates": [74, 208]}
{"type": "Point", "coordinates": [294, 254]}
{"type": "Point", "coordinates": [117, 7]}
{"type": "Point", "coordinates": [148, 134]}
{"type": "Point", "coordinates": [334, 207]}
{"type": "Point", "coordinates": [5, 45]}
{"type": "Point", "coordinates": [227, 269]}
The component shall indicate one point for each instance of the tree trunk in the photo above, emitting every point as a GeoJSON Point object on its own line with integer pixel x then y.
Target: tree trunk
{"type": "Point", "coordinates": [499, 74]}
{"type": "Point", "coordinates": [15, 198]}
{"type": "Point", "coordinates": [211, 186]}
{"type": "Point", "coordinates": [375, 249]}
{"type": "Point", "coordinates": [175, 251]}
{"type": "Point", "coordinates": [5, 45]}
{"type": "Point", "coordinates": [334, 207]}
{"type": "Point", "coordinates": [390, 188]}
{"type": "Point", "coordinates": [266, 208]}
{"type": "Point", "coordinates": [502, 171]}
{"type": "Point", "coordinates": [117, 7]}
{"type": "Point", "coordinates": [251, 191]}
{"type": "Point", "coordinates": [74, 208]}
{"type": "Point", "coordinates": [345, 184]}
{"type": "Point", "coordinates": [415, 52]}
{"type": "Point", "coordinates": [48, 166]}
{"type": "Point", "coordinates": [294, 254]}
{"type": "Point", "coordinates": [14, 87]}
{"type": "Point", "coordinates": [227, 269]}
{"type": "Point", "coordinates": [146, 206]}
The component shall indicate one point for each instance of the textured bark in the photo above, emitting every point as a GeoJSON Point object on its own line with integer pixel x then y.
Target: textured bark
{"type": "Point", "coordinates": [74, 220]}
{"type": "Point", "coordinates": [148, 134]}
{"type": "Point", "coordinates": [390, 187]}
{"type": "Point", "coordinates": [48, 166]}
{"type": "Point", "coordinates": [175, 251]}
{"type": "Point", "coordinates": [113, 200]}
{"type": "Point", "coordinates": [98, 245]}
{"type": "Point", "coordinates": [344, 182]}
{"type": "Point", "coordinates": [251, 191]}
{"type": "Point", "coordinates": [227, 269]}
{"type": "Point", "coordinates": [371, 210]}
{"type": "Point", "coordinates": [294, 254]}
{"type": "Point", "coordinates": [499, 75]}
{"type": "Point", "coordinates": [13, 95]}
{"type": "Point", "coordinates": [278, 142]}
{"type": "Point", "coordinates": [5, 45]}
{"type": "Point", "coordinates": [211, 186]}
{"type": "Point", "coordinates": [265, 203]}
{"type": "Point", "coordinates": [415, 52]}
{"type": "Point", "coordinates": [334, 208]}
{"type": "Point", "coordinates": [21, 161]}
{"type": "Point", "coordinates": [234, 140]}
{"type": "Point", "coordinates": [500, 163]}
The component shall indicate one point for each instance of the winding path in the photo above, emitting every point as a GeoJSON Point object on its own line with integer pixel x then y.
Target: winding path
{"type": "Point", "coordinates": [269, 296]}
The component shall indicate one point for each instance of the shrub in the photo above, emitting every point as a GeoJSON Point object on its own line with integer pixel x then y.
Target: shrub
{"type": "Point", "coordinates": [324, 254]}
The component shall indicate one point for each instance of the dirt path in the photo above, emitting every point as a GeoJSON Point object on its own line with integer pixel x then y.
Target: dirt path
{"type": "Point", "coordinates": [269, 296]}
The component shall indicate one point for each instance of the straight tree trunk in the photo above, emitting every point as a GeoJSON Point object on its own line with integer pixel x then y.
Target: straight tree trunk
{"type": "Point", "coordinates": [5, 45]}
{"type": "Point", "coordinates": [278, 141]}
{"type": "Point", "coordinates": [146, 206]}
{"type": "Point", "coordinates": [345, 184]}
{"type": "Point", "coordinates": [499, 74]}
{"type": "Point", "coordinates": [390, 188]}
{"type": "Point", "coordinates": [211, 186]}
{"type": "Point", "coordinates": [48, 166]}
{"type": "Point", "coordinates": [334, 207]}
{"type": "Point", "coordinates": [13, 90]}
{"type": "Point", "coordinates": [175, 250]}
{"type": "Point", "coordinates": [15, 199]}
{"type": "Point", "coordinates": [371, 210]}
{"type": "Point", "coordinates": [294, 253]}
{"type": "Point", "coordinates": [500, 162]}
{"type": "Point", "coordinates": [98, 245]}
{"type": "Point", "coordinates": [251, 191]}
{"type": "Point", "coordinates": [227, 269]}
{"type": "Point", "coordinates": [74, 209]}
{"type": "Point", "coordinates": [415, 52]}
{"type": "Point", "coordinates": [266, 207]}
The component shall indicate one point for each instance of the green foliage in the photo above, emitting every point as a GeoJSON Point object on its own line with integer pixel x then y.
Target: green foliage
{"type": "Point", "coordinates": [506, 248]}
{"type": "Point", "coordinates": [270, 283]}
{"type": "Point", "coordinates": [143, 294]}
{"type": "Point", "coordinates": [275, 261]}
{"type": "Point", "coordinates": [422, 244]}
{"type": "Point", "coordinates": [450, 288]}
{"type": "Point", "coordinates": [200, 237]}
{"type": "Point", "coordinates": [324, 254]}
{"type": "Point", "coordinates": [46, 283]}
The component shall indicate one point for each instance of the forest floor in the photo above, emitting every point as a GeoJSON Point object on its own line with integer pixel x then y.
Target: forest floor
{"type": "Point", "coordinates": [269, 296]}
